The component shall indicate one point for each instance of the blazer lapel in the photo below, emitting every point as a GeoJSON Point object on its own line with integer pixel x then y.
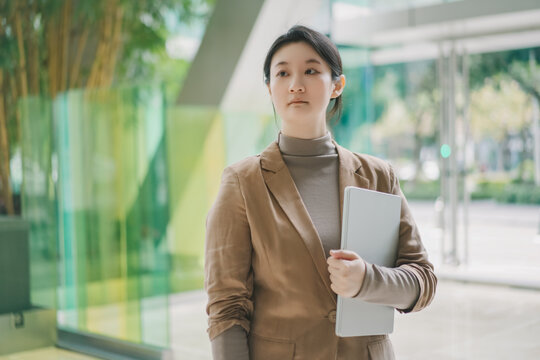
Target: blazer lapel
{"type": "Point", "coordinates": [280, 183]}
{"type": "Point", "coordinates": [349, 174]}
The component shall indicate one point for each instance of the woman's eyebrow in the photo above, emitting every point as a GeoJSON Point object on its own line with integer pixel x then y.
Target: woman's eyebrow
{"type": "Point", "coordinates": [313, 61]}
{"type": "Point", "coordinates": [310, 61]}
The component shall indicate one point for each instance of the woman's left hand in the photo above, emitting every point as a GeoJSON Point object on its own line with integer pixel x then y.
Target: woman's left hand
{"type": "Point", "coordinates": [347, 272]}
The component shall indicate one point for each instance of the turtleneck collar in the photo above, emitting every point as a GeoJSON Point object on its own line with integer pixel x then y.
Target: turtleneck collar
{"type": "Point", "coordinates": [306, 147]}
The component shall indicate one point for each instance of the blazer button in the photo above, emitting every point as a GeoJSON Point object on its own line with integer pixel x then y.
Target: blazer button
{"type": "Point", "coordinates": [332, 316]}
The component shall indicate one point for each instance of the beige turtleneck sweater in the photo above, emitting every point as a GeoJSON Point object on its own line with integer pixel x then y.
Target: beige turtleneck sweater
{"type": "Point", "coordinates": [314, 167]}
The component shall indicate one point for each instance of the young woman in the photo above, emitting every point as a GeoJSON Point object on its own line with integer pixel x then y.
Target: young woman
{"type": "Point", "coordinates": [273, 268]}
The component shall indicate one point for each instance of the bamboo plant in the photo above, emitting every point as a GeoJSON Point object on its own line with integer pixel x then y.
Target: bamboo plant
{"type": "Point", "coordinates": [50, 46]}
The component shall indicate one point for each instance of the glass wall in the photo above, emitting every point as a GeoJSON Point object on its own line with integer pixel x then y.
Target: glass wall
{"type": "Point", "coordinates": [113, 213]}
{"type": "Point", "coordinates": [391, 111]}
{"type": "Point", "coordinates": [122, 189]}
{"type": "Point", "coordinates": [500, 162]}
{"type": "Point", "coordinates": [98, 192]}
{"type": "Point", "coordinates": [200, 142]}
{"type": "Point", "coordinates": [462, 131]}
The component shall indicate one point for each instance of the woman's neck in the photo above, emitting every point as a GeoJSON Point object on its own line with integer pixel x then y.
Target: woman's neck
{"type": "Point", "coordinates": [290, 146]}
{"type": "Point", "coordinates": [304, 132]}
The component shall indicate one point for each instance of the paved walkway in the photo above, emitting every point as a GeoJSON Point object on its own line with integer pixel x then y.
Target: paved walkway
{"type": "Point", "coordinates": [465, 321]}
{"type": "Point", "coordinates": [472, 322]}
{"type": "Point", "coordinates": [503, 245]}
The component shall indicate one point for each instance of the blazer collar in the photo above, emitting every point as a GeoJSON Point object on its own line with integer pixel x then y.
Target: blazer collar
{"type": "Point", "coordinates": [350, 173]}
{"type": "Point", "coordinates": [279, 181]}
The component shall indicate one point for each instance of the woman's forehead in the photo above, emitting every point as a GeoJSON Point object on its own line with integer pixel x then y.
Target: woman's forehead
{"type": "Point", "coordinates": [296, 53]}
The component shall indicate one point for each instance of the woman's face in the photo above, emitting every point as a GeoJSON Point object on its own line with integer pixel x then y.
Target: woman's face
{"type": "Point", "coordinates": [301, 87]}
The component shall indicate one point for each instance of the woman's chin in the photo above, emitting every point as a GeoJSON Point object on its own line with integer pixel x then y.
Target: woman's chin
{"type": "Point", "coordinates": [299, 119]}
{"type": "Point", "coordinates": [300, 113]}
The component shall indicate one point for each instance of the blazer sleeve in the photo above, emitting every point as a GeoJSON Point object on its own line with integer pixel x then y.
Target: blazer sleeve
{"type": "Point", "coordinates": [410, 286]}
{"type": "Point", "coordinates": [228, 273]}
{"type": "Point", "coordinates": [412, 256]}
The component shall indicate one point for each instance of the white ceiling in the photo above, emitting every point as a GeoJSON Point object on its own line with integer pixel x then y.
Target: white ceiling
{"type": "Point", "coordinates": [471, 25]}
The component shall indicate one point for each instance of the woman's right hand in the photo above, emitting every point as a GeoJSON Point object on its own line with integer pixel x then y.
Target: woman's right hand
{"type": "Point", "coordinates": [347, 272]}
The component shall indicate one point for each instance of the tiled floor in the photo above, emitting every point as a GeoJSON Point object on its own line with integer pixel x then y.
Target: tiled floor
{"type": "Point", "coordinates": [471, 321]}
{"type": "Point", "coordinates": [465, 321]}
{"type": "Point", "coordinates": [503, 243]}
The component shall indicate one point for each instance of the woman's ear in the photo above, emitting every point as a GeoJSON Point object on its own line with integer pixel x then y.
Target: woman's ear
{"type": "Point", "coordinates": [339, 85]}
{"type": "Point", "coordinates": [269, 91]}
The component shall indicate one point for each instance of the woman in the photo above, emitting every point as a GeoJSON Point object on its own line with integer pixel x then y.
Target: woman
{"type": "Point", "coordinates": [272, 266]}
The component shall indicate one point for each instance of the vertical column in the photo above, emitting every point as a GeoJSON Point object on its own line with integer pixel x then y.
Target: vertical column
{"type": "Point", "coordinates": [465, 157]}
{"type": "Point", "coordinates": [453, 173]}
{"type": "Point", "coordinates": [449, 143]}
{"type": "Point", "coordinates": [442, 200]}
{"type": "Point", "coordinates": [535, 125]}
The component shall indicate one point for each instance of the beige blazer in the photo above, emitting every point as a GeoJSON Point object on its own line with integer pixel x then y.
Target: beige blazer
{"type": "Point", "coordinates": [265, 267]}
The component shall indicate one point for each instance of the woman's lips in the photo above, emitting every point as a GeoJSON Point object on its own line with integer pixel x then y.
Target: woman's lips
{"type": "Point", "coordinates": [297, 102]}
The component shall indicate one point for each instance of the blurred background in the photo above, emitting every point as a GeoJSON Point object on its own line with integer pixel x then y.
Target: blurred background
{"type": "Point", "coordinates": [117, 118]}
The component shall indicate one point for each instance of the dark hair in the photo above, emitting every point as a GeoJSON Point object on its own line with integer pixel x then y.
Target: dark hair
{"type": "Point", "coordinates": [321, 44]}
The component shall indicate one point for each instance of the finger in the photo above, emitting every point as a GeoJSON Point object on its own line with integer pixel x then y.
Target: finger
{"type": "Point", "coordinates": [344, 254]}
{"type": "Point", "coordinates": [334, 262]}
{"type": "Point", "coordinates": [332, 278]}
{"type": "Point", "coordinates": [335, 289]}
{"type": "Point", "coordinates": [336, 280]}
{"type": "Point", "coordinates": [333, 270]}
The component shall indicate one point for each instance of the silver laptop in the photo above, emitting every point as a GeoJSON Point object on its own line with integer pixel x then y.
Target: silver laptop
{"type": "Point", "coordinates": [371, 229]}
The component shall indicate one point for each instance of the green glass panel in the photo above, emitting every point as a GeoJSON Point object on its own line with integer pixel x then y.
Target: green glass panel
{"type": "Point", "coordinates": [113, 213]}
{"type": "Point", "coordinates": [193, 139]}
{"type": "Point", "coordinates": [39, 199]}
{"type": "Point", "coordinates": [255, 132]}
{"type": "Point", "coordinates": [135, 179]}
{"type": "Point", "coordinates": [200, 143]}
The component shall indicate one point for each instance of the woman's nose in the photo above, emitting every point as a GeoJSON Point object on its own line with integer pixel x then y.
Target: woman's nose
{"type": "Point", "coordinates": [296, 86]}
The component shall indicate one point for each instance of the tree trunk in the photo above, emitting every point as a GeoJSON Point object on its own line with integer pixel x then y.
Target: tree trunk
{"type": "Point", "coordinates": [22, 58]}
{"type": "Point", "coordinates": [101, 53]}
{"type": "Point", "coordinates": [33, 52]}
{"type": "Point", "coordinates": [12, 105]}
{"type": "Point", "coordinates": [115, 44]}
{"type": "Point", "coordinates": [110, 31]}
{"type": "Point", "coordinates": [63, 38]}
{"type": "Point", "coordinates": [523, 154]}
{"type": "Point", "coordinates": [7, 194]}
{"type": "Point", "coordinates": [75, 70]}
{"type": "Point", "coordinates": [506, 154]}
{"type": "Point", "coordinates": [500, 155]}
{"type": "Point", "coordinates": [52, 49]}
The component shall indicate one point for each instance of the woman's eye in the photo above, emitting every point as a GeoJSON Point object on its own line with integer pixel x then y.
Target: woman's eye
{"type": "Point", "coordinates": [284, 73]}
